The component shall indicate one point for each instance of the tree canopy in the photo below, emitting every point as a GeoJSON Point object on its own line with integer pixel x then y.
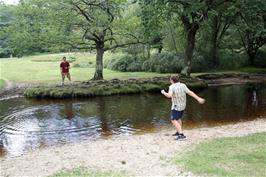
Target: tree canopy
{"type": "Point", "coordinates": [195, 31]}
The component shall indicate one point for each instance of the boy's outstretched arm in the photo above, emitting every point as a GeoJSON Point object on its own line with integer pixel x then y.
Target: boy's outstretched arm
{"type": "Point", "coordinates": [192, 94]}
{"type": "Point", "coordinates": [168, 95]}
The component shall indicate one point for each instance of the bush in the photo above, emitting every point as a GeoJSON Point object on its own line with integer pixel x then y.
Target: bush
{"type": "Point", "coordinates": [260, 60]}
{"type": "Point", "coordinates": [200, 63]}
{"type": "Point", "coordinates": [163, 63]}
{"type": "Point", "coordinates": [126, 63]}
{"type": "Point", "coordinates": [231, 60]}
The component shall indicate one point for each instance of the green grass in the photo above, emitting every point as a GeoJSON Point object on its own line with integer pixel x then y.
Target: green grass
{"type": "Point", "coordinates": [82, 172]}
{"type": "Point", "coordinates": [2, 84]}
{"type": "Point", "coordinates": [238, 156]}
{"type": "Point", "coordinates": [253, 70]}
{"type": "Point", "coordinates": [45, 68]}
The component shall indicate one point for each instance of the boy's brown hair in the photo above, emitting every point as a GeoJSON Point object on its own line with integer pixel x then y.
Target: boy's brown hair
{"type": "Point", "coordinates": [175, 78]}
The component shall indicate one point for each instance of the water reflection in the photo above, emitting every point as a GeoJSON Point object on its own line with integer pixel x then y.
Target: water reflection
{"type": "Point", "coordinates": [68, 110]}
{"type": "Point", "coordinates": [28, 124]}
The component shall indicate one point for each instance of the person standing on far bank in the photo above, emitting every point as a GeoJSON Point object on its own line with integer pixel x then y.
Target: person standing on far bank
{"type": "Point", "coordinates": [64, 68]}
{"type": "Point", "coordinates": [177, 92]}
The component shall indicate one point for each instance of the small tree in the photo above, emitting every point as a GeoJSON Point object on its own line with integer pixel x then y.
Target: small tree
{"type": "Point", "coordinates": [99, 25]}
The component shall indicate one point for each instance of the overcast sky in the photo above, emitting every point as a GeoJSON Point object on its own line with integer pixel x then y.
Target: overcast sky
{"type": "Point", "coordinates": [10, 1]}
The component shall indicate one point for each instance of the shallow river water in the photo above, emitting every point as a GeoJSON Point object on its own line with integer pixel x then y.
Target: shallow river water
{"type": "Point", "coordinates": [28, 124]}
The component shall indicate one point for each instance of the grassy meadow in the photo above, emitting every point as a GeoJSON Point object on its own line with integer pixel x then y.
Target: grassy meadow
{"type": "Point", "coordinates": [45, 68]}
{"type": "Point", "coordinates": [237, 156]}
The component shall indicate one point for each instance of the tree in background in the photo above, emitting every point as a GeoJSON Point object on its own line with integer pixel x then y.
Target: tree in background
{"type": "Point", "coordinates": [192, 14]}
{"type": "Point", "coordinates": [82, 24]}
{"type": "Point", "coordinates": [6, 18]}
{"type": "Point", "coordinates": [251, 26]}
{"type": "Point", "coordinates": [152, 23]}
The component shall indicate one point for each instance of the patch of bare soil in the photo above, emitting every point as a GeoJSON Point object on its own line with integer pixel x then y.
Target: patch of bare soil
{"type": "Point", "coordinates": [231, 78]}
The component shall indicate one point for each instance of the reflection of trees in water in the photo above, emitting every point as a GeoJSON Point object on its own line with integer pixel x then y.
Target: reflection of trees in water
{"type": "Point", "coordinates": [103, 116]}
{"type": "Point", "coordinates": [134, 111]}
{"type": "Point", "coordinates": [227, 103]}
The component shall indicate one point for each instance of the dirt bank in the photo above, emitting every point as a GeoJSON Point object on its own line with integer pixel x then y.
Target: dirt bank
{"type": "Point", "coordinates": [146, 155]}
{"type": "Point", "coordinates": [232, 78]}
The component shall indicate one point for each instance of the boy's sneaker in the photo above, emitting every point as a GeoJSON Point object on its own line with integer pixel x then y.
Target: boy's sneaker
{"type": "Point", "coordinates": [181, 137]}
{"type": "Point", "coordinates": [175, 134]}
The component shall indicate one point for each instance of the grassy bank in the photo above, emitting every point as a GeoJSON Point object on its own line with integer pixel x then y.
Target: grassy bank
{"type": "Point", "coordinates": [45, 68]}
{"type": "Point", "coordinates": [105, 88]}
{"type": "Point", "coordinates": [85, 172]}
{"type": "Point", "coordinates": [244, 156]}
{"type": "Point", "coordinates": [2, 84]}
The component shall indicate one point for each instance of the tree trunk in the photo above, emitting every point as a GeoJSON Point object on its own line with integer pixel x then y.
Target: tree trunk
{"type": "Point", "coordinates": [149, 51]}
{"type": "Point", "coordinates": [191, 35]}
{"type": "Point", "coordinates": [160, 49]}
{"type": "Point", "coordinates": [214, 42]}
{"type": "Point", "coordinates": [252, 55]}
{"type": "Point", "coordinates": [98, 75]}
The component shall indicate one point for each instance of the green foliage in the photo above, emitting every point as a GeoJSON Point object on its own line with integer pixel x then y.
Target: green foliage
{"type": "Point", "coordinates": [126, 63]}
{"type": "Point", "coordinates": [239, 156]}
{"type": "Point", "coordinates": [174, 36]}
{"type": "Point", "coordinates": [260, 60]}
{"type": "Point", "coordinates": [161, 63]}
{"type": "Point", "coordinates": [200, 63]}
{"type": "Point", "coordinates": [6, 18]}
{"type": "Point", "coordinates": [226, 28]}
{"type": "Point", "coordinates": [231, 60]}
{"type": "Point", "coordinates": [164, 63]}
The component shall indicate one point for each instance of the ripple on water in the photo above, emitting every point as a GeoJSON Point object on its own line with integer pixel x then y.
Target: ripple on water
{"type": "Point", "coordinates": [29, 124]}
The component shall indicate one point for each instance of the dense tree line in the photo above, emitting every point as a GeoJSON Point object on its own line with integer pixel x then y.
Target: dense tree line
{"type": "Point", "coordinates": [191, 33]}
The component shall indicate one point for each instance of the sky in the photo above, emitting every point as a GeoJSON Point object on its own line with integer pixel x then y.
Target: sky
{"type": "Point", "coordinates": [10, 1]}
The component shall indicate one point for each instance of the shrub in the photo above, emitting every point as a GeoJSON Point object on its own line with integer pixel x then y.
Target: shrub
{"type": "Point", "coordinates": [200, 63]}
{"type": "Point", "coordinates": [231, 60]}
{"type": "Point", "coordinates": [163, 63]}
{"type": "Point", "coordinates": [260, 60]}
{"type": "Point", "coordinates": [126, 63]}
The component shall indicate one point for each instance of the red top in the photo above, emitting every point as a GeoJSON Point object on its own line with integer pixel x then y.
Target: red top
{"type": "Point", "coordinates": [65, 66]}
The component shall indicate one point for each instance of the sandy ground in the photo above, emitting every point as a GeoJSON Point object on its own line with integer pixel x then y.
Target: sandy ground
{"type": "Point", "coordinates": [144, 155]}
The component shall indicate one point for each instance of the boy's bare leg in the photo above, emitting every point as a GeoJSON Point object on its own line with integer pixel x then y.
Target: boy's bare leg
{"type": "Point", "coordinates": [177, 126]}
{"type": "Point", "coordinates": [68, 76]}
{"type": "Point", "coordinates": [180, 122]}
{"type": "Point", "coordinates": [63, 78]}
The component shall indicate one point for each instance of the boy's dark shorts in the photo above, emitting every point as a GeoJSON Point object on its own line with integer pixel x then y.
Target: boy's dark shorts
{"type": "Point", "coordinates": [176, 115]}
